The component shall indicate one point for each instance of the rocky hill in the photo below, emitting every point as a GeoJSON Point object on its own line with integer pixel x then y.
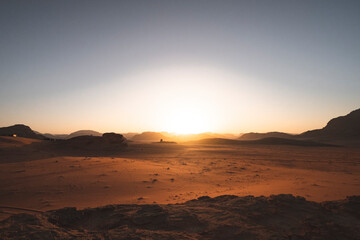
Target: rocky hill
{"type": "Point", "coordinates": [344, 127]}
{"type": "Point", "coordinates": [20, 130]}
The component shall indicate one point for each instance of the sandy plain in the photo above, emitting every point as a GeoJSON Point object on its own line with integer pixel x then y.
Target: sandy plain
{"type": "Point", "coordinates": [37, 176]}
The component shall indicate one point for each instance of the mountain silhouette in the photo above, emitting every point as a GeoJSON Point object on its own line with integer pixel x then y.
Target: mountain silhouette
{"type": "Point", "coordinates": [20, 130]}
{"type": "Point", "coordinates": [339, 130]}
{"type": "Point", "coordinates": [343, 127]}
{"type": "Point", "coordinates": [55, 136]}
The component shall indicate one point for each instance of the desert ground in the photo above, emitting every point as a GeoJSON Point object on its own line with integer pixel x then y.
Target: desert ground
{"type": "Point", "coordinates": [36, 178]}
{"type": "Point", "coordinates": [51, 190]}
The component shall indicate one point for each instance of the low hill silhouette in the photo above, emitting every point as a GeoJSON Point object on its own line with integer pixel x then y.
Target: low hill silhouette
{"type": "Point", "coordinates": [83, 133]}
{"type": "Point", "coordinates": [149, 136]}
{"type": "Point", "coordinates": [55, 136]}
{"type": "Point", "coordinates": [199, 136]}
{"type": "Point", "coordinates": [263, 141]}
{"type": "Point", "coordinates": [256, 136]}
{"type": "Point", "coordinates": [156, 136]}
{"type": "Point", "coordinates": [20, 130]}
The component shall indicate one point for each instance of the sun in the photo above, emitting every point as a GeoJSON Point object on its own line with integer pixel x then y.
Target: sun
{"type": "Point", "coordinates": [187, 121]}
{"type": "Point", "coordinates": [180, 100]}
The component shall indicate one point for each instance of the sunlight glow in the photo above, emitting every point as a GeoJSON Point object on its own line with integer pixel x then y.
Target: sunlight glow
{"type": "Point", "coordinates": [186, 120]}
{"type": "Point", "coordinates": [184, 98]}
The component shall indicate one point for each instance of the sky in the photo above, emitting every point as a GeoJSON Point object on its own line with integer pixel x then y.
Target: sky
{"type": "Point", "coordinates": [178, 66]}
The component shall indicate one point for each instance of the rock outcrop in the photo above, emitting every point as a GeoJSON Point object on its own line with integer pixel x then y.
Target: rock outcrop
{"type": "Point", "coordinates": [20, 130]}
{"type": "Point", "coordinates": [224, 217]}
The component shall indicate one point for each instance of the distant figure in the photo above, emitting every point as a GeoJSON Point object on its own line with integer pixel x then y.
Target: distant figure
{"type": "Point", "coordinates": [161, 140]}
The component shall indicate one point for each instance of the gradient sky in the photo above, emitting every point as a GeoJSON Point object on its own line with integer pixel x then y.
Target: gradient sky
{"type": "Point", "coordinates": [178, 66]}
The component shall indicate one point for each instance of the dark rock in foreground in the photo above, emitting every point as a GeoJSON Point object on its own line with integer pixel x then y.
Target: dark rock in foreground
{"type": "Point", "coordinates": [223, 217]}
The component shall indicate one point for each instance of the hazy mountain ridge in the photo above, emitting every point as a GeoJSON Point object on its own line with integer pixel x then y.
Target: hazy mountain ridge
{"type": "Point", "coordinates": [73, 134]}
{"type": "Point", "coordinates": [340, 128]}
{"type": "Point", "coordinates": [149, 136]}
{"type": "Point", "coordinates": [84, 133]}
{"type": "Point", "coordinates": [55, 136]}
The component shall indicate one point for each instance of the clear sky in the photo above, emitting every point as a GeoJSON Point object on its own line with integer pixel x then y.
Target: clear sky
{"type": "Point", "coordinates": [178, 66]}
